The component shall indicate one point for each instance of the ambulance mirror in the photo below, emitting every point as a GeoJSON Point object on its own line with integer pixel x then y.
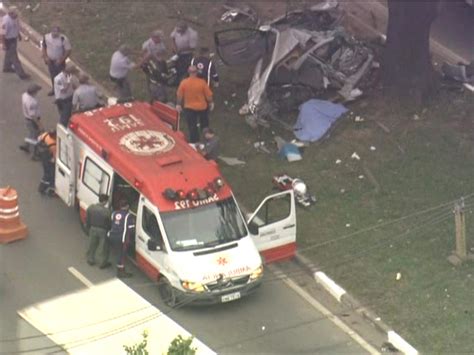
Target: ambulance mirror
{"type": "Point", "coordinates": [152, 245]}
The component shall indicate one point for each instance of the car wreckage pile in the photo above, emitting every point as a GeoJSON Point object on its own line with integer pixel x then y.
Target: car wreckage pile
{"type": "Point", "coordinates": [301, 55]}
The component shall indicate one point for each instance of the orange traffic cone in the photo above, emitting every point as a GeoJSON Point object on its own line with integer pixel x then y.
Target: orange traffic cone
{"type": "Point", "coordinates": [11, 227]}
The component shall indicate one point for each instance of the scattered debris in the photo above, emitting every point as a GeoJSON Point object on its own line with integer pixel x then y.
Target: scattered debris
{"type": "Point", "coordinates": [284, 182]}
{"type": "Point", "coordinates": [260, 146]}
{"type": "Point", "coordinates": [355, 156]}
{"type": "Point", "coordinates": [388, 347]}
{"type": "Point", "coordinates": [235, 13]}
{"type": "Point", "coordinates": [463, 73]}
{"type": "Point", "coordinates": [231, 161]}
{"type": "Point", "coordinates": [297, 56]}
{"type": "Point", "coordinates": [290, 152]}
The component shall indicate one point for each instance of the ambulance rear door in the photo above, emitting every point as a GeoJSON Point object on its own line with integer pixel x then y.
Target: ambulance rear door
{"type": "Point", "coordinates": [273, 227]}
{"type": "Point", "coordinates": [65, 174]}
{"type": "Point", "coordinates": [95, 179]}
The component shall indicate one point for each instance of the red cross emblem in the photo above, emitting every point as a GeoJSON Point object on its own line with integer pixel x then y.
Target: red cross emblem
{"type": "Point", "coordinates": [142, 142]}
{"type": "Point", "coordinates": [221, 261]}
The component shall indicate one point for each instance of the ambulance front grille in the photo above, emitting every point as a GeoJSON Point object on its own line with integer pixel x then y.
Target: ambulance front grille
{"type": "Point", "coordinates": [228, 283]}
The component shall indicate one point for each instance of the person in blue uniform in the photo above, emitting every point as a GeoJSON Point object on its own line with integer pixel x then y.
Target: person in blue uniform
{"type": "Point", "coordinates": [206, 67]}
{"type": "Point", "coordinates": [121, 232]}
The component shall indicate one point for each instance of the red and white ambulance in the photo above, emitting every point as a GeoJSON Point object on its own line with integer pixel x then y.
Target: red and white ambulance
{"type": "Point", "coordinates": [191, 237]}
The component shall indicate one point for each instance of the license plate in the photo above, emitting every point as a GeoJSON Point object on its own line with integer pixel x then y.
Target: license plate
{"type": "Point", "coordinates": [230, 297]}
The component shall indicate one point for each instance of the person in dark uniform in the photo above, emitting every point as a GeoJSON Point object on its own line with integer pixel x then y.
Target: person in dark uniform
{"type": "Point", "coordinates": [123, 229]}
{"type": "Point", "coordinates": [206, 67]}
{"type": "Point", "coordinates": [98, 218]}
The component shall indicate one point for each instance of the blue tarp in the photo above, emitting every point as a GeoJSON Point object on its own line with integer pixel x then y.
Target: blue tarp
{"type": "Point", "coordinates": [315, 119]}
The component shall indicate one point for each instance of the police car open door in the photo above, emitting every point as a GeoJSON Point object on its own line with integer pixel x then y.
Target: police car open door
{"type": "Point", "coordinates": [64, 178]}
{"type": "Point", "coordinates": [273, 227]}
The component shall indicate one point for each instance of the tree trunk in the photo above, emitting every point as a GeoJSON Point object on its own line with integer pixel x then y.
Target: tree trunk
{"type": "Point", "coordinates": [408, 73]}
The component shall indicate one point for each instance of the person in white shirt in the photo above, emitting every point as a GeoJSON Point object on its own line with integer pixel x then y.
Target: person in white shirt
{"type": "Point", "coordinates": [64, 85]}
{"type": "Point", "coordinates": [153, 64]}
{"type": "Point", "coordinates": [56, 49]}
{"type": "Point", "coordinates": [86, 97]}
{"type": "Point", "coordinates": [9, 37]}
{"type": "Point", "coordinates": [120, 65]}
{"type": "Point", "coordinates": [32, 114]}
{"type": "Point", "coordinates": [184, 40]}
{"type": "Point", "coordinates": [154, 47]}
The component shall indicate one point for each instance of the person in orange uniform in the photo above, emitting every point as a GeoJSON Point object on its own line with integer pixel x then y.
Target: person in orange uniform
{"type": "Point", "coordinates": [194, 99]}
{"type": "Point", "coordinates": [47, 152]}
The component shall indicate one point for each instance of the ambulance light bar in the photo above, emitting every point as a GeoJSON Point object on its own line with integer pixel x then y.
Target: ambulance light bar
{"type": "Point", "coordinates": [194, 194]}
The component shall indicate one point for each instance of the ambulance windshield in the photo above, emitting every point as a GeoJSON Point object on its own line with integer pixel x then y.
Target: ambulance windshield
{"type": "Point", "coordinates": [205, 226]}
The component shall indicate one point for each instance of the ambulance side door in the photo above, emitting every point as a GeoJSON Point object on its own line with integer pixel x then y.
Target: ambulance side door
{"type": "Point", "coordinates": [273, 227]}
{"type": "Point", "coordinates": [150, 248]}
{"type": "Point", "coordinates": [64, 170]}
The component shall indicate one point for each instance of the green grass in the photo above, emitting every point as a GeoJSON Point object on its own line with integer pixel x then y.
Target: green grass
{"type": "Point", "coordinates": [419, 164]}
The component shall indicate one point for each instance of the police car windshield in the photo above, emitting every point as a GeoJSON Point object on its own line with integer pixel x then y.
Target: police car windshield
{"type": "Point", "coordinates": [205, 226]}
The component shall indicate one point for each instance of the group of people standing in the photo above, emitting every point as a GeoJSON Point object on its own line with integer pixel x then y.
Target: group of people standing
{"type": "Point", "coordinates": [195, 76]}
{"type": "Point", "coordinates": [106, 229]}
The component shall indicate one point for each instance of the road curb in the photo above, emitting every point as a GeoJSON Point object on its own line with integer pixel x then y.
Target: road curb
{"type": "Point", "coordinates": [349, 301]}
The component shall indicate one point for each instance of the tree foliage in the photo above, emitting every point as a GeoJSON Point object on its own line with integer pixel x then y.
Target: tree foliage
{"type": "Point", "coordinates": [140, 348]}
{"type": "Point", "coordinates": [181, 346]}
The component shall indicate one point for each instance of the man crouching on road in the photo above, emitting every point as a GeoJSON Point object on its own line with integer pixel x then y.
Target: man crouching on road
{"type": "Point", "coordinates": [98, 224]}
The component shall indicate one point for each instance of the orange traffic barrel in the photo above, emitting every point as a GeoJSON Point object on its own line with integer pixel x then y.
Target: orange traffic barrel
{"type": "Point", "coordinates": [11, 227]}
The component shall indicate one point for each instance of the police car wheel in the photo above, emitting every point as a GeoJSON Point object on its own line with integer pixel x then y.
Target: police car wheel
{"type": "Point", "coordinates": [167, 292]}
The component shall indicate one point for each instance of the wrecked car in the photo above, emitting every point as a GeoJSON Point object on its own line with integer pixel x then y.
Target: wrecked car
{"type": "Point", "coordinates": [300, 55]}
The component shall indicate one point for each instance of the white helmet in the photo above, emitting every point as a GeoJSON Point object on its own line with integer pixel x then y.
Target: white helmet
{"type": "Point", "coordinates": [299, 187]}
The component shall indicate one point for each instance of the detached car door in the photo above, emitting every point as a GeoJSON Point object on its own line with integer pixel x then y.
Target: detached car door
{"type": "Point", "coordinates": [273, 227]}
{"type": "Point", "coordinates": [242, 45]}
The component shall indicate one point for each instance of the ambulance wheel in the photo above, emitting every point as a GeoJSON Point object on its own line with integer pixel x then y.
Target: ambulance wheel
{"type": "Point", "coordinates": [167, 292]}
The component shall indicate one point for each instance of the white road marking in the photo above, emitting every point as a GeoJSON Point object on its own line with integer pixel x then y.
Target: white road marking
{"type": "Point", "coordinates": [34, 69]}
{"type": "Point", "coordinates": [339, 323]}
{"type": "Point", "coordinates": [80, 277]}
{"type": "Point", "coordinates": [111, 315]}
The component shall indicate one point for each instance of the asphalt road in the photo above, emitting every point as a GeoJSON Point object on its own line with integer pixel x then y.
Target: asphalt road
{"type": "Point", "coordinates": [274, 320]}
